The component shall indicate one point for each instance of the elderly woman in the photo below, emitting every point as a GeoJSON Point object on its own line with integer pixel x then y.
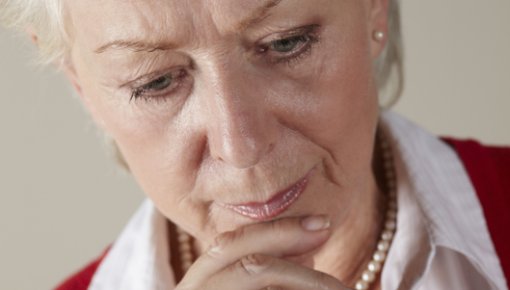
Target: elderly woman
{"type": "Point", "coordinates": [255, 129]}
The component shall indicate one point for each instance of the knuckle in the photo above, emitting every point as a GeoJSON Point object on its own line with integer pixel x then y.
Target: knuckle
{"type": "Point", "coordinates": [254, 264]}
{"type": "Point", "coordinates": [280, 227]}
{"type": "Point", "coordinates": [323, 281]}
{"type": "Point", "coordinates": [186, 285]}
{"type": "Point", "coordinates": [320, 281]}
{"type": "Point", "coordinates": [276, 226]}
{"type": "Point", "coordinates": [224, 240]}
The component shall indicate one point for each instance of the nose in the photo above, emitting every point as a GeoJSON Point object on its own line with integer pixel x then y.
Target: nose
{"type": "Point", "coordinates": [241, 129]}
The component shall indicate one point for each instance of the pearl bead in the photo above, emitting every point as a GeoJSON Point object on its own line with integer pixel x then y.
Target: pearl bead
{"type": "Point", "coordinates": [391, 214]}
{"type": "Point", "coordinates": [391, 185]}
{"type": "Point", "coordinates": [383, 246]}
{"type": "Point", "coordinates": [387, 235]}
{"type": "Point", "coordinates": [368, 276]}
{"type": "Point", "coordinates": [183, 238]}
{"type": "Point", "coordinates": [374, 266]}
{"type": "Point", "coordinates": [379, 256]}
{"type": "Point", "coordinates": [185, 247]}
{"type": "Point", "coordinates": [186, 265]}
{"type": "Point", "coordinates": [390, 225]}
{"type": "Point", "coordinates": [186, 255]}
{"type": "Point", "coordinates": [361, 285]}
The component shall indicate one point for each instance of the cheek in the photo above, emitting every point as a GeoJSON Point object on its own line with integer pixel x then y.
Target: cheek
{"type": "Point", "coordinates": [350, 113]}
{"type": "Point", "coordinates": [336, 107]}
{"type": "Point", "coordinates": [338, 88]}
{"type": "Point", "coordinates": [162, 158]}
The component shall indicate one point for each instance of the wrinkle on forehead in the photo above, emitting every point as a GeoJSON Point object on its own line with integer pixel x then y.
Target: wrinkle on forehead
{"type": "Point", "coordinates": [239, 14]}
{"type": "Point", "coordinates": [98, 23]}
{"type": "Point", "coordinates": [101, 21]}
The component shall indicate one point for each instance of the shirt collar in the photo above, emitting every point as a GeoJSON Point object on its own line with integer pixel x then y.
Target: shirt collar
{"type": "Point", "coordinates": [139, 258]}
{"type": "Point", "coordinates": [433, 184]}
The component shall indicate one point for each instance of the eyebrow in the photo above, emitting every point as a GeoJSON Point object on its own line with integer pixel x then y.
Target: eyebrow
{"type": "Point", "coordinates": [143, 46]}
{"type": "Point", "coordinates": [135, 46]}
{"type": "Point", "coordinates": [260, 14]}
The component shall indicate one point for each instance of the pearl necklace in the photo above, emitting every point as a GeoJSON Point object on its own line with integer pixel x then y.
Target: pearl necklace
{"type": "Point", "coordinates": [185, 252]}
{"type": "Point", "coordinates": [383, 245]}
{"type": "Point", "coordinates": [390, 220]}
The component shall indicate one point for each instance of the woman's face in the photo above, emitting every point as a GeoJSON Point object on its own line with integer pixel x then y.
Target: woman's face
{"type": "Point", "coordinates": [218, 106]}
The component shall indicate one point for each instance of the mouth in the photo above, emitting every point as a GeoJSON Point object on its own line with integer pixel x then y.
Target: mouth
{"type": "Point", "coordinates": [274, 206]}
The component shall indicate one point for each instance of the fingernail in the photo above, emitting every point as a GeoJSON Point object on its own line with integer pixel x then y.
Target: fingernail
{"type": "Point", "coordinates": [315, 223]}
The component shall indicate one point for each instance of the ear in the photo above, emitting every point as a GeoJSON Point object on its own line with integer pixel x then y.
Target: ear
{"type": "Point", "coordinates": [67, 68]}
{"type": "Point", "coordinates": [378, 22]}
{"type": "Point", "coordinates": [77, 82]}
{"type": "Point", "coordinates": [71, 75]}
{"type": "Point", "coordinates": [74, 78]}
{"type": "Point", "coordinates": [32, 35]}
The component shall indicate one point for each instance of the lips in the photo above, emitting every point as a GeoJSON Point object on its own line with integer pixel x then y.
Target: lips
{"type": "Point", "coordinates": [273, 207]}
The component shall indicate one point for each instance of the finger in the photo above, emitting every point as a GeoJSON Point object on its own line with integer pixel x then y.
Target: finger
{"type": "Point", "coordinates": [285, 237]}
{"type": "Point", "coordinates": [257, 271]}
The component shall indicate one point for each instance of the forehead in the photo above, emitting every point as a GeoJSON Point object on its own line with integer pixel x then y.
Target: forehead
{"type": "Point", "coordinates": [156, 18]}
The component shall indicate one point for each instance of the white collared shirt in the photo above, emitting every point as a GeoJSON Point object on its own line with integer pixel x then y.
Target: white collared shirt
{"type": "Point", "coordinates": [442, 240]}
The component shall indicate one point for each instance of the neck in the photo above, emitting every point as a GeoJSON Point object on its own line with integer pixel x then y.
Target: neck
{"type": "Point", "coordinates": [354, 239]}
{"type": "Point", "coordinates": [352, 244]}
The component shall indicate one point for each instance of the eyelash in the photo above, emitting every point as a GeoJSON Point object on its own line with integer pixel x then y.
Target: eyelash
{"type": "Point", "coordinates": [306, 37]}
{"type": "Point", "coordinates": [141, 91]}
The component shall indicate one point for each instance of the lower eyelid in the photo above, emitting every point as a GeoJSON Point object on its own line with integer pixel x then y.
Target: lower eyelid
{"type": "Point", "coordinates": [299, 46]}
{"type": "Point", "coordinates": [303, 51]}
{"type": "Point", "coordinates": [167, 92]}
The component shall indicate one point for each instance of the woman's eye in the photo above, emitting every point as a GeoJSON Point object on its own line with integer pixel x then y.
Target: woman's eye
{"type": "Point", "coordinates": [159, 87]}
{"type": "Point", "coordinates": [288, 44]}
{"type": "Point", "coordinates": [290, 48]}
{"type": "Point", "coordinates": [160, 83]}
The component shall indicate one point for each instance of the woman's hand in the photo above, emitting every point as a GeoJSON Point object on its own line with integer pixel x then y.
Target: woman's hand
{"type": "Point", "coordinates": [252, 257]}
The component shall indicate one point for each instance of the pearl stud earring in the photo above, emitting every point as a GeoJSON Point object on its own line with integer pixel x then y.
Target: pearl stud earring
{"type": "Point", "coordinates": [378, 35]}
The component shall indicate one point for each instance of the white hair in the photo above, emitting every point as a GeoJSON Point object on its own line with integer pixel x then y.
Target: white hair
{"type": "Point", "coordinates": [45, 18]}
{"type": "Point", "coordinates": [42, 18]}
{"type": "Point", "coordinates": [389, 70]}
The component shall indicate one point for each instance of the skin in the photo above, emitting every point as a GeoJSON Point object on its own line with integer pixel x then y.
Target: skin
{"type": "Point", "coordinates": [239, 124]}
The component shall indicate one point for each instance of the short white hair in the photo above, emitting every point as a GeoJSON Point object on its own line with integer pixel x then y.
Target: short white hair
{"type": "Point", "coordinates": [389, 68]}
{"type": "Point", "coordinates": [45, 18]}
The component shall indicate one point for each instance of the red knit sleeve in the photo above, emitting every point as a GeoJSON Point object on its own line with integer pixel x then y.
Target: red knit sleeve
{"type": "Point", "coordinates": [489, 171]}
{"type": "Point", "coordinates": [81, 279]}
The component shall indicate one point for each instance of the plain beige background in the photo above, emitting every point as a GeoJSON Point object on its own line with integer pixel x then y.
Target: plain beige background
{"type": "Point", "coordinates": [62, 198]}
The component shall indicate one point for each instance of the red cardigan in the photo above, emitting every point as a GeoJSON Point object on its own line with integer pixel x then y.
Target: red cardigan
{"type": "Point", "coordinates": [489, 171]}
